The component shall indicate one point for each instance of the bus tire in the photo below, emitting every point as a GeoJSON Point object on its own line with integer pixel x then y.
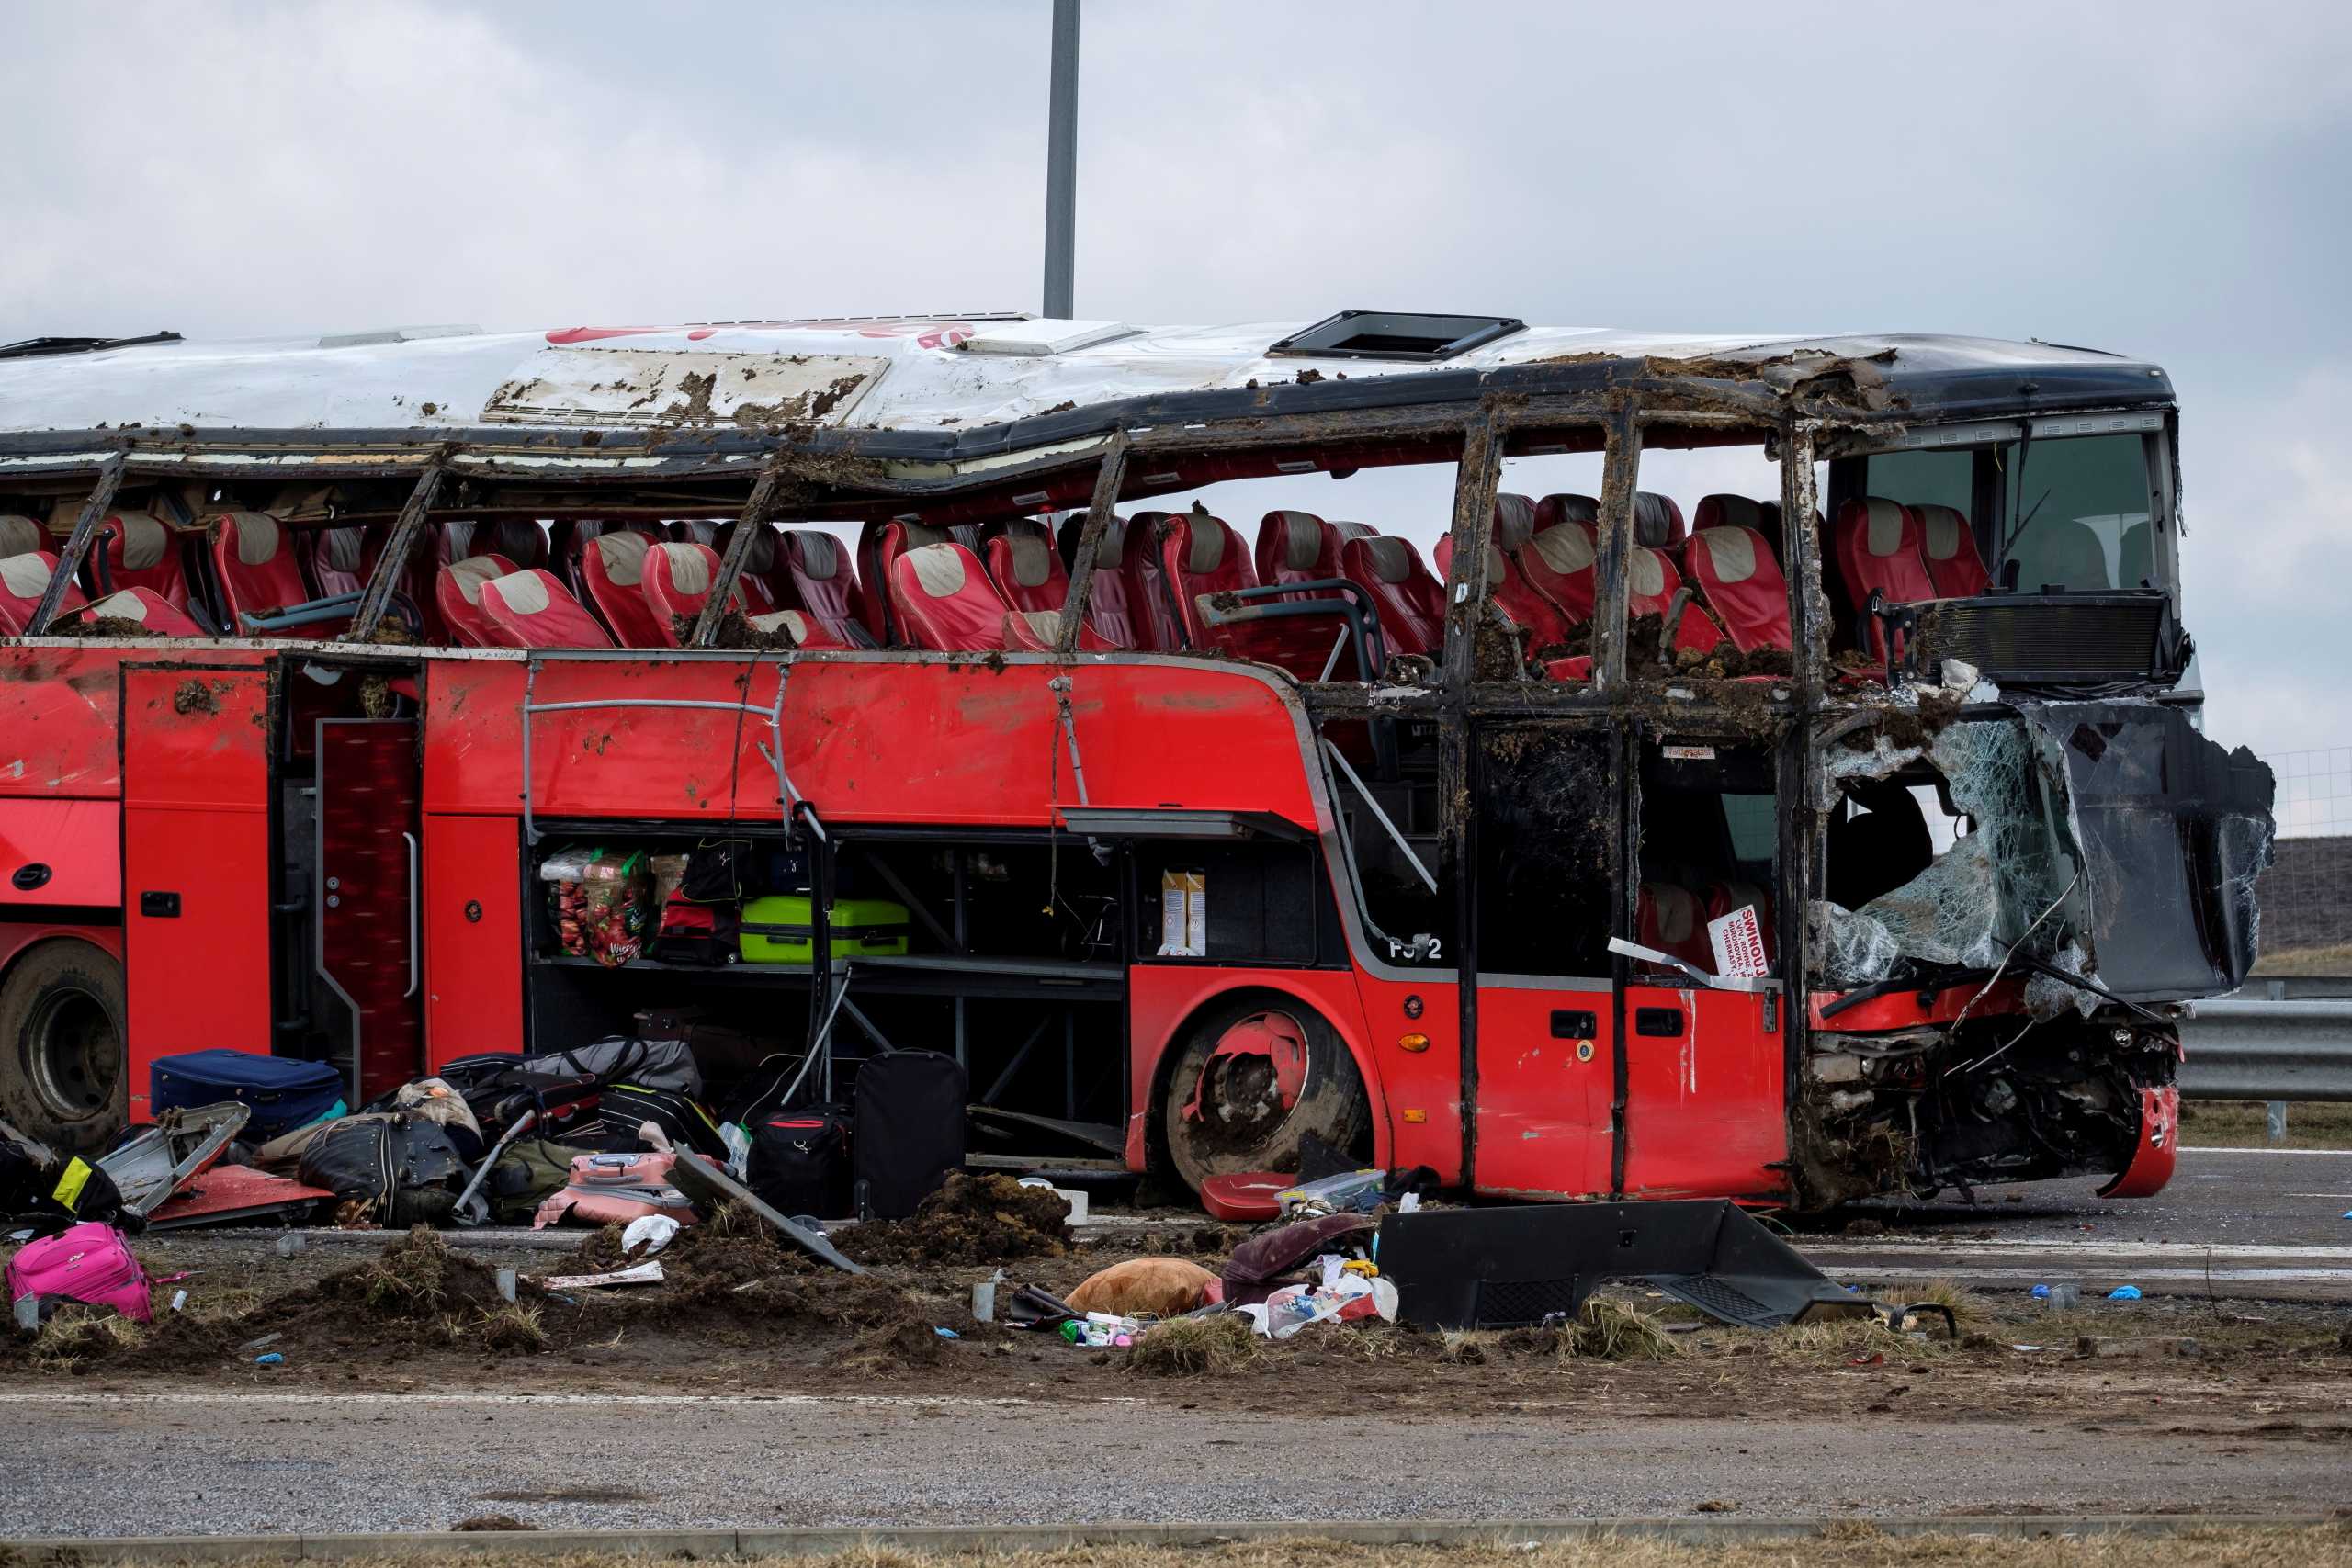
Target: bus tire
{"type": "Point", "coordinates": [64, 1073]}
{"type": "Point", "coordinates": [1221, 1112]}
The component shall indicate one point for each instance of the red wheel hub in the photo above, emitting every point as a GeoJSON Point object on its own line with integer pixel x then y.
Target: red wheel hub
{"type": "Point", "coordinates": [1257, 1069]}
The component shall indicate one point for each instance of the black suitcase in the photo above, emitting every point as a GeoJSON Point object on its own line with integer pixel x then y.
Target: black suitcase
{"type": "Point", "coordinates": [910, 1108]}
{"type": "Point", "coordinates": [623, 1107]}
{"type": "Point", "coordinates": [800, 1161]}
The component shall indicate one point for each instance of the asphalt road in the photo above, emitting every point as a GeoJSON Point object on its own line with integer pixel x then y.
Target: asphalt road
{"type": "Point", "coordinates": [226, 1463]}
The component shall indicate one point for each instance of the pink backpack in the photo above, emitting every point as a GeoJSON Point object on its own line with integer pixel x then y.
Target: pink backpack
{"type": "Point", "coordinates": [613, 1189]}
{"type": "Point", "coordinates": [89, 1263]}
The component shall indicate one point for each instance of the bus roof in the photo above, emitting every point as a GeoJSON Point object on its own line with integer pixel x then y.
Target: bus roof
{"type": "Point", "coordinates": [953, 385]}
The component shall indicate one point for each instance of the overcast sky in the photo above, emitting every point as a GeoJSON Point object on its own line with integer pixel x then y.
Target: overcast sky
{"type": "Point", "coordinates": [2171, 180]}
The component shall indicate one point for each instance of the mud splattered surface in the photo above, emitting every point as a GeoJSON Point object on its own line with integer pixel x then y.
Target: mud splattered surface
{"type": "Point", "coordinates": [973, 1219]}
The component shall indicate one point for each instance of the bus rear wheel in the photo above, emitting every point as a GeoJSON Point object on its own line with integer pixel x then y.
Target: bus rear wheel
{"type": "Point", "coordinates": [1253, 1079]}
{"type": "Point", "coordinates": [63, 1068]}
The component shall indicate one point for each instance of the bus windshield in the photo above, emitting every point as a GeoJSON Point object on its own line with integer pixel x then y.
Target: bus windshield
{"type": "Point", "coordinates": [2076, 515]}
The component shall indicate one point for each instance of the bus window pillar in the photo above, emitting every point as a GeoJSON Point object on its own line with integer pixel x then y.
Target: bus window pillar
{"type": "Point", "coordinates": [1620, 477]}
{"type": "Point", "coordinates": [1801, 553]}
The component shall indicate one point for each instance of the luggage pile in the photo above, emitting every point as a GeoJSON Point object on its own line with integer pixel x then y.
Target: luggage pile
{"type": "Point", "coordinates": [727, 901]}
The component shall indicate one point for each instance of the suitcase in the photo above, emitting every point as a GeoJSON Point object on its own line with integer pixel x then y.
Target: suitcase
{"type": "Point", "coordinates": [282, 1093]}
{"type": "Point", "coordinates": [910, 1110]}
{"type": "Point", "coordinates": [624, 1107]}
{"type": "Point", "coordinates": [613, 1189]}
{"type": "Point", "coordinates": [777, 930]}
{"type": "Point", "coordinates": [88, 1263]}
{"type": "Point", "coordinates": [654, 1063]}
{"type": "Point", "coordinates": [800, 1161]}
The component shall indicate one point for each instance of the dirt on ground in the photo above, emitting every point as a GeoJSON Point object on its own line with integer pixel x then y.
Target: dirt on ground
{"type": "Point", "coordinates": [973, 1219]}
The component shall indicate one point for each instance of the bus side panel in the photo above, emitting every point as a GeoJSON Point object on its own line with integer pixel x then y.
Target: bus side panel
{"type": "Point", "coordinates": [869, 738]}
{"type": "Point", "coordinates": [196, 856]}
{"type": "Point", "coordinates": [1422, 1088]}
{"type": "Point", "coordinates": [1706, 1113]}
{"type": "Point", "coordinates": [1161, 997]}
{"type": "Point", "coordinates": [473, 937]}
{"type": "Point", "coordinates": [57, 721]}
{"type": "Point", "coordinates": [61, 853]}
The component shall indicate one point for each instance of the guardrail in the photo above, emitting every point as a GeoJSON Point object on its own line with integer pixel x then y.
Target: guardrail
{"type": "Point", "coordinates": [2238, 1049]}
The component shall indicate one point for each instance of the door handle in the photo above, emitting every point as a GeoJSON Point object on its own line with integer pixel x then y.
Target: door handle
{"type": "Point", "coordinates": [415, 952]}
{"type": "Point", "coordinates": [1662, 1023]}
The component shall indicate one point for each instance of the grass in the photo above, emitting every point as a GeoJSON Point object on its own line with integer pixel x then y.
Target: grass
{"type": "Point", "coordinates": [513, 1328]}
{"type": "Point", "coordinates": [2245, 1123]}
{"type": "Point", "coordinates": [74, 1334]}
{"type": "Point", "coordinates": [1841, 1545]}
{"type": "Point", "coordinates": [1194, 1347]}
{"type": "Point", "coordinates": [2336, 959]}
{"type": "Point", "coordinates": [408, 1277]}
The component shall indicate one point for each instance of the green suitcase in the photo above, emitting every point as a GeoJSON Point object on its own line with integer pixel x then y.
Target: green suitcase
{"type": "Point", "coordinates": [778, 929]}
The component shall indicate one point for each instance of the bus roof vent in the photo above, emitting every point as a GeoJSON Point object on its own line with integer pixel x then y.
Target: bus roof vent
{"type": "Point", "coordinates": [1043, 336]}
{"type": "Point", "coordinates": [395, 335]}
{"type": "Point", "coordinates": [1396, 334]}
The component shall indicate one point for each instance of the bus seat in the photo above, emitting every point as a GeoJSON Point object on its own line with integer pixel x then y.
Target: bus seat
{"type": "Point", "coordinates": [1741, 583]}
{"type": "Point", "coordinates": [139, 549]}
{"type": "Point", "coordinates": [1657, 522]}
{"type": "Point", "coordinates": [518, 539]}
{"type": "Point", "coordinates": [334, 556]}
{"type": "Point", "coordinates": [1296, 546]}
{"type": "Point", "coordinates": [878, 546]}
{"type": "Point", "coordinates": [1151, 598]}
{"type": "Point", "coordinates": [24, 578]}
{"type": "Point", "coordinates": [149, 608]}
{"type": "Point", "coordinates": [805, 630]}
{"type": "Point", "coordinates": [1201, 554]}
{"type": "Point", "coordinates": [1949, 546]}
{"type": "Point", "coordinates": [944, 601]}
{"type": "Point", "coordinates": [764, 583]}
{"type": "Point", "coordinates": [2061, 552]}
{"type": "Point", "coordinates": [531, 608]}
{"type": "Point", "coordinates": [613, 565]}
{"type": "Point", "coordinates": [1024, 569]}
{"type": "Point", "coordinates": [1723, 898]}
{"type": "Point", "coordinates": [678, 579]}
{"type": "Point", "coordinates": [826, 587]}
{"type": "Point", "coordinates": [420, 581]}
{"type": "Point", "coordinates": [1411, 603]}
{"type": "Point", "coordinates": [258, 573]}
{"type": "Point", "coordinates": [1651, 583]}
{"type": "Point", "coordinates": [575, 539]}
{"type": "Point", "coordinates": [2137, 555]}
{"type": "Point", "coordinates": [1672, 919]}
{"type": "Point", "coordinates": [1110, 611]}
{"type": "Point", "coordinates": [1878, 552]}
{"type": "Point", "coordinates": [457, 594]}
{"type": "Point", "coordinates": [1559, 562]}
{"type": "Point", "coordinates": [692, 531]}
{"type": "Point", "coordinates": [1524, 604]}
{"type": "Point", "coordinates": [21, 535]}
{"type": "Point", "coordinates": [1033, 631]}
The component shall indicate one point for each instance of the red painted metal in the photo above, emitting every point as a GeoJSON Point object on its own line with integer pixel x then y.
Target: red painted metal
{"type": "Point", "coordinates": [1247, 1197]}
{"type": "Point", "coordinates": [367, 783]}
{"type": "Point", "coordinates": [474, 936]}
{"type": "Point", "coordinates": [1705, 1111]}
{"type": "Point", "coordinates": [195, 826]}
{"type": "Point", "coordinates": [2158, 1148]}
{"type": "Point", "coordinates": [1269, 1034]}
{"type": "Point", "coordinates": [79, 841]}
{"type": "Point", "coordinates": [1544, 1102]}
{"type": "Point", "coordinates": [1901, 1010]}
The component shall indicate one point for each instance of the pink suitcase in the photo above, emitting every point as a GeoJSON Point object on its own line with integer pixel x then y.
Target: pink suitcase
{"type": "Point", "coordinates": [89, 1263]}
{"type": "Point", "coordinates": [613, 1189]}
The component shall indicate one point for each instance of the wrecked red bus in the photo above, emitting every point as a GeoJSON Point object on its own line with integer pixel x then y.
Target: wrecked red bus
{"type": "Point", "coordinates": [1661, 766]}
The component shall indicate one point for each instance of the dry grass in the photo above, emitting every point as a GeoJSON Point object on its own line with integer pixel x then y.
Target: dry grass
{"type": "Point", "coordinates": [2245, 1123]}
{"type": "Point", "coordinates": [2336, 959]}
{"type": "Point", "coordinates": [1605, 1331]}
{"type": "Point", "coordinates": [1195, 1346]}
{"type": "Point", "coordinates": [1840, 1341]}
{"type": "Point", "coordinates": [514, 1330]}
{"type": "Point", "coordinates": [73, 1334]}
{"type": "Point", "coordinates": [1843, 1545]}
{"type": "Point", "coordinates": [410, 1276]}
{"type": "Point", "coordinates": [732, 1218]}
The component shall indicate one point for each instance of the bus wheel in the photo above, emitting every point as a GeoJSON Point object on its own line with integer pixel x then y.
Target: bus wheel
{"type": "Point", "coordinates": [62, 1064]}
{"type": "Point", "coordinates": [1252, 1080]}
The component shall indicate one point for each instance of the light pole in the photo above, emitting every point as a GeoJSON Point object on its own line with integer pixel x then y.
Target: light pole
{"type": "Point", "coordinates": [1061, 163]}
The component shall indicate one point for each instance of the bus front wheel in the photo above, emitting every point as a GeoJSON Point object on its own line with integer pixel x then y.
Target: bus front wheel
{"type": "Point", "coordinates": [1253, 1078]}
{"type": "Point", "coordinates": [64, 1076]}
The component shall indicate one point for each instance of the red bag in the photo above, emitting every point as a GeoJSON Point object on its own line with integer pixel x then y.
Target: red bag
{"type": "Point", "coordinates": [88, 1263]}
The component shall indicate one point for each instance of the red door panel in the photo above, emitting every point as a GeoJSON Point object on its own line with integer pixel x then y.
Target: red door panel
{"type": "Point", "coordinates": [474, 936]}
{"type": "Point", "coordinates": [1545, 1082]}
{"type": "Point", "coordinates": [1704, 1105]}
{"type": "Point", "coordinates": [364, 905]}
{"type": "Point", "coordinates": [196, 859]}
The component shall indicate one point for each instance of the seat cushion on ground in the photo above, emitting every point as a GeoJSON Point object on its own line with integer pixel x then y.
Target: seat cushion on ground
{"type": "Point", "coordinates": [145, 605]}
{"type": "Point", "coordinates": [531, 608]}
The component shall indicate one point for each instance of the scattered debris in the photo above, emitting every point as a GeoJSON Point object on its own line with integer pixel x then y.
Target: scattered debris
{"type": "Point", "coordinates": [1194, 1347]}
{"type": "Point", "coordinates": [973, 1219]}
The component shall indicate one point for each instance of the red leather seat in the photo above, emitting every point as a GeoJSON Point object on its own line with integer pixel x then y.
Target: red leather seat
{"type": "Point", "coordinates": [457, 594]}
{"type": "Point", "coordinates": [944, 603]}
{"type": "Point", "coordinates": [879, 545]}
{"type": "Point", "coordinates": [1411, 603]}
{"type": "Point", "coordinates": [764, 583]}
{"type": "Point", "coordinates": [149, 608]}
{"type": "Point", "coordinates": [1151, 599]}
{"type": "Point", "coordinates": [1034, 631]}
{"type": "Point", "coordinates": [569, 549]}
{"type": "Point", "coordinates": [1657, 522]}
{"type": "Point", "coordinates": [826, 587]}
{"type": "Point", "coordinates": [678, 580]}
{"type": "Point", "coordinates": [1673, 920]}
{"type": "Point", "coordinates": [1559, 560]}
{"type": "Point", "coordinates": [335, 557]}
{"type": "Point", "coordinates": [531, 608]}
{"type": "Point", "coordinates": [138, 549]}
{"type": "Point", "coordinates": [1110, 611]}
{"type": "Point", "coordinates": [804, 629]}
{"type": "Point", "coordinates": [1878, 552]}
{"type": "Point", "coordinates": [692, 531]}
{"type": "Point", "coordinates": [1298, 546]}
{"type": "Point", "coordinates": [21, 535]}
{"type": "Point", "coordinates": [613, 568]}
{"type": "Point", "coordinates": [1949, 546]}
{"type": "Point", "coordinates": [419, 582]}
{"type": "Point", "coordinates": [1026, 568]}
{"type": "Point", "coordinates": [257, 573]}
{"type": "Point", "coordinates": [24, 578]}
{"type": "Point", "coordinates": [1524, 604]}
{"type": "Point", "coordinates": [1651, 583]}
{"type": "Point", "coordinates": [1741, 582]}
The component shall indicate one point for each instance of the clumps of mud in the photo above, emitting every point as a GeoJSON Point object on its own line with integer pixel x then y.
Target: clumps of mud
{"type": "Point", "coordinates": [736, 632]}
{"type": "Point", "coordinates": [101, 626]}
{"type": "Point", "coordinates": [973, 1219]}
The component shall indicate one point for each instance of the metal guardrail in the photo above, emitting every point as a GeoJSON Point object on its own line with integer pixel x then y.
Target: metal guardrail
{"type": "Point", "coordinates": [2240, 1048]}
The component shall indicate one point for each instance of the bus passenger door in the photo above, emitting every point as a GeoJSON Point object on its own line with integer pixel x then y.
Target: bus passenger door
{"type": "Point", "coordinates": [1705, 1106]}
{"type": "Point", "coordinates": [195, 861]}
{"type": "Point", "coordinates": [1542, 849]}
{"type": "Point", "coordinates": [369, 947]}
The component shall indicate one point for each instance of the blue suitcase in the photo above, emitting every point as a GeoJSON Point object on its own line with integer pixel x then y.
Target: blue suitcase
{"type": "Point", "coordinates": [282, 1093]}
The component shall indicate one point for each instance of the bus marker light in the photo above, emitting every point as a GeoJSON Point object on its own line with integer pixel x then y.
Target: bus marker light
{"type": "Point", "coordinates": [1416, 1115]}
{"type": "Point", "coordinates": [1412, 1043]}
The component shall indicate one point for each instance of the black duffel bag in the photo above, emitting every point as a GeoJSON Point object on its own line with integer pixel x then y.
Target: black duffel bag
{"type": "Point", "coordinates": [800, 1161]}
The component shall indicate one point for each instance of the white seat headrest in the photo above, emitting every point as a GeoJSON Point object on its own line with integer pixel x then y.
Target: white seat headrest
{"type": "Point", "coordinates": [1205, 546]}
{"type": "Point", "coordinates": [256, 537]}
{"type": "Point", "coordinates": [1730, 551]}
{"type": "Point", "coordinates": [1514, 520]}
{"type": "Point", "coordinates": [938, 569]}
{"type": "Point", "coordinates": [1942, 528]}
{"type": "Point", "coordinates": [1883, 527]}
{"type": "Point", "coordinates": [26, 576]}
{"type": "Point", "coordinates": [1565, 548]}
{"type": "Point", "coordinates": [19, 536]}
{"type": "Point", "coordinates": [525, 591]}
{"type": "Point", "coordinates": [1645, 573]}
{"type": "Point", "coordinates": [689, 567]}
{"type": "Point", "coordinates": [623, 556]}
